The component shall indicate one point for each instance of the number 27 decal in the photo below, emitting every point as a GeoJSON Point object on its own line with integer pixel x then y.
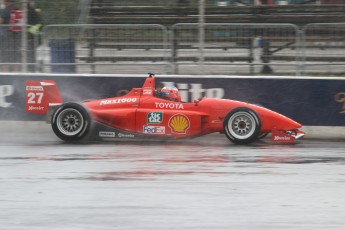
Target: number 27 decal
{"type": "Point", "coordinates": [35, 98]}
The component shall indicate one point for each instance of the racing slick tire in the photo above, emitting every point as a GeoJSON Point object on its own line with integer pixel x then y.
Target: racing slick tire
{"type": "Point", "coordinates": [262, 135]}
{"type": "Point", "coordinates": [71, 122]}
{"type": "Point", "coordinates": [242, 125]}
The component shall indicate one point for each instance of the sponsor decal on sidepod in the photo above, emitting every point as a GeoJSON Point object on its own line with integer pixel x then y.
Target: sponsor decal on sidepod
{"type": "Point", "coordinates": [125, 135]}
{"type": "Point", "coordinates": [154, 129]}
{"type": "Point", "coordinates": [179, 124]}
{"type": "Point", "coordinates": [106, 134]}
{"type": "Point", "coordinates": [113, 134]}
{"type": "Point", "coordinates": [155, 118]}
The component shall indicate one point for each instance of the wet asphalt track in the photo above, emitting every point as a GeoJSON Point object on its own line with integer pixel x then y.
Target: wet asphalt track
{"type": "Point", "coordinates": [205, 183]}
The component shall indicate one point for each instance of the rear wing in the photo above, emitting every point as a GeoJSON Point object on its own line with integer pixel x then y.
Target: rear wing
{"type": "Point", "coordinates": [40, 95]}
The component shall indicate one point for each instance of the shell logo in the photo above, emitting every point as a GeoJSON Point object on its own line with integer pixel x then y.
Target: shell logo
{"type": "Point", "coordinates": [179, 124]}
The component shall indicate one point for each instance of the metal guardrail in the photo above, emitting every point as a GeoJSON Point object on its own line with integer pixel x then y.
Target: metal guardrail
{"type": "Point", "coordinates": [237, 45]}
{"type": "Point", "coordinates": [105, 45]}
{"type": "Point", "coordinates": [323, 48]}
{"type": "Point", "coordinates": [228, 49]}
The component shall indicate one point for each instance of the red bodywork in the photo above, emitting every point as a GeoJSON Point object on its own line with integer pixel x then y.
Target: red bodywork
{"type": "Point", "coordinates": [141, 112]}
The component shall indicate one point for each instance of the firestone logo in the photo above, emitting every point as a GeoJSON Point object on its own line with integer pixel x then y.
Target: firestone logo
{"type": "Point", "coordinates": [5, 91]}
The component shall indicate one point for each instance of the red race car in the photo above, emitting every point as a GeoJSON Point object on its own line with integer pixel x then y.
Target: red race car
{"type": "Point", "coordinates": [148, 113]}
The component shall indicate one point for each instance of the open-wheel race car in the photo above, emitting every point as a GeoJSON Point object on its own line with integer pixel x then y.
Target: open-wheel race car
{"type": "Point", "coordinates": [146, 113]}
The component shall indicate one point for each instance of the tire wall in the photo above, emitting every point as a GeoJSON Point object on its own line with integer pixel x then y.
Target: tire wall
{"type": "Point", "coordinates": [310, 101]}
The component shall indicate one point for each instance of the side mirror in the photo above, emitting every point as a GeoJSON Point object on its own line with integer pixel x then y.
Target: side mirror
{"type": "Point", "coordinates": [196, 102]}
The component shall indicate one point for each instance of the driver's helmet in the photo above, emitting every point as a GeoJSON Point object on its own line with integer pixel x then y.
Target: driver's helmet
{"type": "Point", "coordinates": [171, 93]}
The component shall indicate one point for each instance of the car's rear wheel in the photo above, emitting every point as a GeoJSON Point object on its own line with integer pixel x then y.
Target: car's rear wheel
{"type": "Point", "coordinates": [71, 122]}
{"type": "Point", "coordinates": [242, 125]}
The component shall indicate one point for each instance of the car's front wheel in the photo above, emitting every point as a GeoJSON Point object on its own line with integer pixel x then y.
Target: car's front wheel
{"type": "Point", "coordinates": [242, 125]}
{"type": "Point", "coordinates": [71, 122]}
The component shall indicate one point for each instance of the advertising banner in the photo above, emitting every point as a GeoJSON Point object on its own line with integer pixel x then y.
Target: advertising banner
{"type": "Point", "coordinates": [310, 101]}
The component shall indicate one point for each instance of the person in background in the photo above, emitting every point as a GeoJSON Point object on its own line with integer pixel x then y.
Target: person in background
{"type": "Point", "coordinates": [5, 39]}
{"type": "Point", "coordinates": [35, 24]}
{"type": "Point", "coordinates": [12, 42]}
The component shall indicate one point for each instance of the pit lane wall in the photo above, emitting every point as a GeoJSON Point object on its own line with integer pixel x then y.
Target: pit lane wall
{"type": "Point", "coordinates": [316, 102]}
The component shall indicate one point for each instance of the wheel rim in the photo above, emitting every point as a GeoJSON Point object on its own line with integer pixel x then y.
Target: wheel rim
{"type": "Point", "coordinates": [70, 122]}
{"type": "Point", "coordinates": [242, 125]}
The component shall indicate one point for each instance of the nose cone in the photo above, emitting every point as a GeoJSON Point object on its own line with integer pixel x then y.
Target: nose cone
{"type": "Point", "coordinates": [273, 120]}
{"type": "Point", "coordinates": [281, 122]}
{"type": "Point", "coordinates": [291, 124]}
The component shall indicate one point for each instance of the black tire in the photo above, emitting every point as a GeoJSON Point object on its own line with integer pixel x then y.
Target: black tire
{"type": "Point", "coordinates": [242, 125]}
{"type": "Point", "coordinates": [71, 122]}
{"type": "Point", "coordinates": [262, 135]}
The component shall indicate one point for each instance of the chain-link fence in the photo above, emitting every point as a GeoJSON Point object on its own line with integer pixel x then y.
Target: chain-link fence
{"type": "Point", "coordinates": [324, 48]}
